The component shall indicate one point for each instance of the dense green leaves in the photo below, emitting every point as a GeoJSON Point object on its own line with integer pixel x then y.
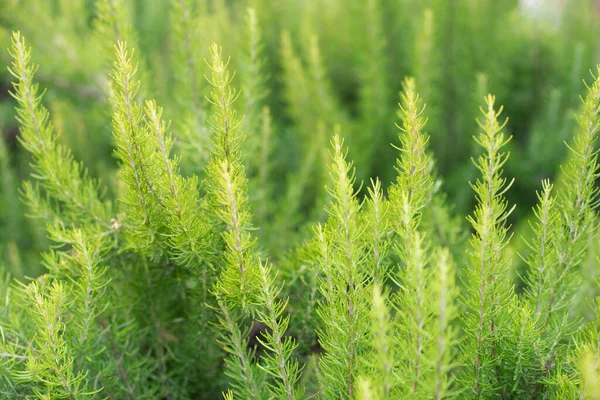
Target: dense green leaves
{"type": "Point", "coordinates": [489, 295]}
{"type": "Point", "coordinates": [233, 253]}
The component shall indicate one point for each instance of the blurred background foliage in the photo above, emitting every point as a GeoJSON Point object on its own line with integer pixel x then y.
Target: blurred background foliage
{"type": "Point", "coordinates": [325, 63]}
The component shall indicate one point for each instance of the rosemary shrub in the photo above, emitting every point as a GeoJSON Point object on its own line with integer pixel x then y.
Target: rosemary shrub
{"type": "Point", "coordinates": [190, 273]}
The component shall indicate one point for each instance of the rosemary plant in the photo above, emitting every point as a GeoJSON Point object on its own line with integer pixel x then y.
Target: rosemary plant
{"type": "Point", "coordinates": [218, 247]}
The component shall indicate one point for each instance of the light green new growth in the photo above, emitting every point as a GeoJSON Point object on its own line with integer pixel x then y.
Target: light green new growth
{"type": "Point", "coordinates": [279, 363]}
{"type": "Point", "coordinates": [443, 353]}
{"type": "Point", "coordinates": [591, 376]}
{"type": "Point", "coordinates": [564, 223]}
{"type": "Point", "coordinates": [364, 390]}
{"type": "Point", "coordinates": [343, 330]}
{"type": "Point", "coordinates": [543, 260]}
{"type": "Point", "coordinates": [185, 230]}
{"type": "Point", "coordinates": [50, 363]}
{"type": "Point", "coordinates": [383, 377]}
{"type": "Point", "coordinates": [73, 196]}
{"type": "Point", "coordinates": [71, 306]}
{"type": "Point", "coordinates": [226, 186]}
{"type": "Point", "coordinates": [245, 285]}
{"type": "Point", "coordinates": [408, 197]}
{"type": "Point", "coordinates": [232, 253]}
{"type": "Point", "coordinates": [489, 291]}
{"type": "Point", "coordinates": [139, 164]}
{"type": "Point", "coordinates": [377, 231]}
{"type": "Point", "coordinates": [578, 199]}
{"type": "Point", "coordinates": [246, 379]}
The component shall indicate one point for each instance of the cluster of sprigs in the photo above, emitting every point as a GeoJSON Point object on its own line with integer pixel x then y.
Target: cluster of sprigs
{"type": "Point", "coordinates": [167, 292]}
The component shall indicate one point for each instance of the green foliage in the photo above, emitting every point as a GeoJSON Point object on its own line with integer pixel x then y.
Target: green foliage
{"type": "Point", "coordinates": [232, 253]}
{"type": "Point", "coordinates": [344, 332]}
{"type": "Point", "coordinates": [489, 290]}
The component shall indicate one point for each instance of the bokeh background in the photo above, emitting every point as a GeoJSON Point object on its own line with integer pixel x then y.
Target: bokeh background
{"type": "Point", "coordinates": [326, 65]}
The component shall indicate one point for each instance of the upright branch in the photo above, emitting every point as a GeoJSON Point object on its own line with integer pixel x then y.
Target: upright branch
{"type": "Point", "coordinates": [344, 330]}
{"type": "Point", "coordinates": [245, 378]}
{"type": "Point", "coordinates": [444, 352]}
{"type": "Point", "coordinates": [225, 123]}
{"type": "Point", "coordinates": [76, 198]}
{"type": "Point", "coordinates": [563, 226]}
{"type": "Point", "coordinates": [190, 86]}
{"type": "Point", "coordinates": [139, 164]}
{"type": "Point", "coordinates": [244, 281]}
{"type": "Point", "coordinates": [50, 360]}
{"type": "Point", "coordinates": [543, 260]}
{"type": "Point", "coordinates": [227, 189]}
{"type": "Point", "coordinates": [254, 88]}
{"type": "Point", "coordinates": [278, 361]}
{"type": "Point", "coordinates": [384, 352]}
{"type": "Point", "coordinates": [90, 288]}
{"type": "Point", "coordinates": [489, 290]}
{"type": "Point", "coordinates": [187, 234]}
{"type": "Point", "coordinates": [578, 198]}
{"type": "Point", "coordinates": [408, 198]}
{"type": "Point", "coordinates": [377, 232]}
